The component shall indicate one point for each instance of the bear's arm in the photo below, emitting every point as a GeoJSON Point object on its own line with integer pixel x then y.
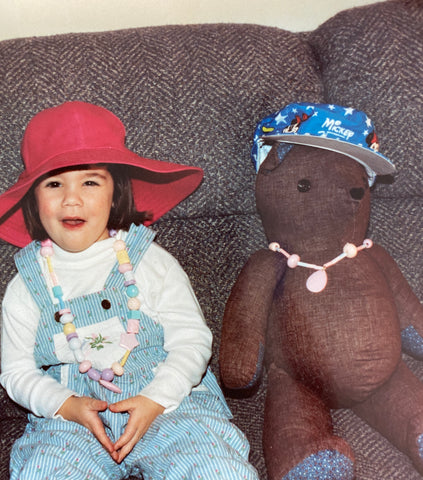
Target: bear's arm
{"type": "Point", "coordinates": [409, 308]}
{"type": "Point", "coordinates": [245, 320]}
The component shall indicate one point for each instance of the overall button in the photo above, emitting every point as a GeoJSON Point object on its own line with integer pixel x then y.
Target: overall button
{"type": "Point", "coordinates": [106, 304]}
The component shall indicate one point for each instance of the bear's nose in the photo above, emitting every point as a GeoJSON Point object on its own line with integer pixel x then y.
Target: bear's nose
{"type": "Point", "coordinates": [357, 193]}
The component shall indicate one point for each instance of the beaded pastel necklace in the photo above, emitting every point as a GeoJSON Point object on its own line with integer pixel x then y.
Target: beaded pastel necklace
{"type": "Point", "coordinates": [128, 340]}
{"type": "Point", "coordinates": [317, 281]}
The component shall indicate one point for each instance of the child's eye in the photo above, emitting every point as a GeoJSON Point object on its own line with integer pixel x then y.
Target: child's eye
{"type": "Point", "coordinates": [53, 184]}
{"type": "Point", "coordinates": [91, 183]}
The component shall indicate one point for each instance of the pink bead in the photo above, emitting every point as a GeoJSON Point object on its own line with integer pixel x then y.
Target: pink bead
{"type": "Point", "coordinates": [133, 326]}
{"type": "Point", "coordinates": [46, 251]}
{"type": "Point", "coordinates": [110, 386]}
{"type": "Point", "coordinates": [119, 245]}
{"type": "Point", "coordinates": [124, 267]}
{"type": "Point", "coordinates": [128, 341]}
{"type": "Point", "coordinates": [85, 366]}
{"type": "Point", "coordinates": [368, 243]}
{"type": "Point", "coordinates": [107, 374]}
{"type": "Point", "coordinates": [317, 281]}
{"type": "Point", "coordinates": [46, 243]}
{"type": "Point", "coordinates": [293, 260]}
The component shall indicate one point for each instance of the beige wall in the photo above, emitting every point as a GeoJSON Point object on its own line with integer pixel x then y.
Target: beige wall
{"type": "Point", "coordinates": [22, 18]}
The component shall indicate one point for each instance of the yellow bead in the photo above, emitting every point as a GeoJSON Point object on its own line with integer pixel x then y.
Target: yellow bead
{"type": "Point", "coordinates": [69, 328]}
{"type": "Point", "coordinates": [122, 256]}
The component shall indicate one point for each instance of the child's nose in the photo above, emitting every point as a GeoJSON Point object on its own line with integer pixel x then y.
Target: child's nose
{"type": "Point", "coordinates": [71, 197]}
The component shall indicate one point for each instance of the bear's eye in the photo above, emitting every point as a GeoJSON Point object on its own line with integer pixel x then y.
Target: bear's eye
{"type": "Point", "coordinates": [303, 185]}
{"type": "Point", "coordinates": [357, 193]}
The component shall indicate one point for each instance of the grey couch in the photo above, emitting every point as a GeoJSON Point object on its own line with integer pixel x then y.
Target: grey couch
{"type": "Point", "coordinates": [193, 94]}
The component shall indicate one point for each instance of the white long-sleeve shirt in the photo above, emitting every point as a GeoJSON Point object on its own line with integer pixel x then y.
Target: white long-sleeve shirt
{"type": "Point", "coordinates": [166, 296]}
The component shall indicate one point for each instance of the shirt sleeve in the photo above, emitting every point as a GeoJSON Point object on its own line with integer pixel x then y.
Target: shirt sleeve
{"type": "Point", "coordinates": [26, 384]}
{"type": "Point", "coordinates": [187, 339]}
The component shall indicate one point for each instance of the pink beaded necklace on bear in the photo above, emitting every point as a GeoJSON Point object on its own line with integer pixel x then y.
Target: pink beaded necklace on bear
{"type": "Point", "coordinates": [317, 281]}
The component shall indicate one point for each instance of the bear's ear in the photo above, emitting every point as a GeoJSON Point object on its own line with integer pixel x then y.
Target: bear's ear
{"type": "Point", "coordinates": [271, 161]}
{"type": "Point", "coordinates": [274, 157]}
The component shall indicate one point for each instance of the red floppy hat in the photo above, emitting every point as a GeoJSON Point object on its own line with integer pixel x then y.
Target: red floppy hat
{"type": "Point", "coordinates": [79, 133]}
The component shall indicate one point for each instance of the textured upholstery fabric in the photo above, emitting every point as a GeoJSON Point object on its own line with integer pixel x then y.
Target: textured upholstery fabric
{"type": "Point", "coordinates": [193, 95]}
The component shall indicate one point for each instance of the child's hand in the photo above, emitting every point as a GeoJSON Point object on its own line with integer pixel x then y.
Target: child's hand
{"type": "Point", "coordinates": [142, 412]}
{"type": "Point", "coordinates": [84, 410]}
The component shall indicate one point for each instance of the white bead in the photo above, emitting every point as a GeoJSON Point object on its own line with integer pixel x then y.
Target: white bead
{"type": "Point", "coordinates": [74, 343]}
{"type": "Point", "coordinates": [350, 250]}
{"type": "Point", "coordinates": [368, 243]}
{"type": "Point", "coordinates": [129, 275]}
{"type": "Point", "coordinates": [79, 355]}
{"type": "Point", "coordinates": [66, 318]}
{"type": "Point", "coordinates": [274, 246]}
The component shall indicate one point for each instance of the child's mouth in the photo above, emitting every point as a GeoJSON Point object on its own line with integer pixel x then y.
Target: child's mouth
{"type": "Point", "coordinates": [73, 222]}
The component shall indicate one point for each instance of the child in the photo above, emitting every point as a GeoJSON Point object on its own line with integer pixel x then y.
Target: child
{"type": "Point", "coordinates": [103, 339]}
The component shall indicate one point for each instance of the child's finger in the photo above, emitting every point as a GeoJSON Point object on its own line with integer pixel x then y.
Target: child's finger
{"type": "Point", "coordinates": [128, 435]}
{"type": "Point", "coordinates": [103, 438]}
{"type": "Point", "coordinates": [123, 405]}
{"type": "Point", "coordinates": [98, 405]}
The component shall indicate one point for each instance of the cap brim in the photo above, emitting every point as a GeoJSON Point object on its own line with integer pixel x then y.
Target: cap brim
{"type": "Point", "coordinates": [367, 157]}
{"type": "Point", "coordinates": [158, 186]}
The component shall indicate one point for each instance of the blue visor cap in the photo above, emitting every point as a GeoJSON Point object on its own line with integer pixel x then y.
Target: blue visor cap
{"type": "Point", "coordinates": [331, 127]}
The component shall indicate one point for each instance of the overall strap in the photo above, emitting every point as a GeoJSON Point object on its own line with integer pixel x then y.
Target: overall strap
{"type": "Point", "coordinates": [29, 268]}
{"type": "Point", "coordinates": [137, 240]}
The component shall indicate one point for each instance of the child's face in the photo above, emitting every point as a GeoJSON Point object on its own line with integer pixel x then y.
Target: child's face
{"type": "Point", "coordinates": [74, 207]}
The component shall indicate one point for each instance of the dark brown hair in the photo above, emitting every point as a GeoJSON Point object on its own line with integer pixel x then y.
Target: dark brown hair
{"type": "Point", "coordinates": [123, 212]}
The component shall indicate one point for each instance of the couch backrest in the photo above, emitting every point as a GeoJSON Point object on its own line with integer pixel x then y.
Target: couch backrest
{"type": "Point", "coordinates": [189, 94]}
{"type": "Point", "coordinates": [371, 58]}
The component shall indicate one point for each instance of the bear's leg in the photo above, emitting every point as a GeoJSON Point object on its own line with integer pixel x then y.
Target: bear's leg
{"type": "Point", "coordinates": [298, 436]}
{"type": "Point", "coordinates": [396, 411]}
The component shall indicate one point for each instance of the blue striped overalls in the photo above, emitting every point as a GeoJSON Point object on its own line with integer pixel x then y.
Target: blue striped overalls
{"type": "Point", "coordinates": [195, 441]}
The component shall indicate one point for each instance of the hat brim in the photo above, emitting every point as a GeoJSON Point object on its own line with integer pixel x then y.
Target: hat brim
{"type": "Point", "coordinates": [367, 157]}
{"type": "Point", "coordinates": [158, 186]}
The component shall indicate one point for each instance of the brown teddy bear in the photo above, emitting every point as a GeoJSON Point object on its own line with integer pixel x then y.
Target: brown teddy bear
{"type": "Point", "coordinates": [324, 307]}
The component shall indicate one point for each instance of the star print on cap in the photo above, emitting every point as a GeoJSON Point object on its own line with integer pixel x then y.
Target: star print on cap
{"type": "Point", "coordinates": [331, 127]}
